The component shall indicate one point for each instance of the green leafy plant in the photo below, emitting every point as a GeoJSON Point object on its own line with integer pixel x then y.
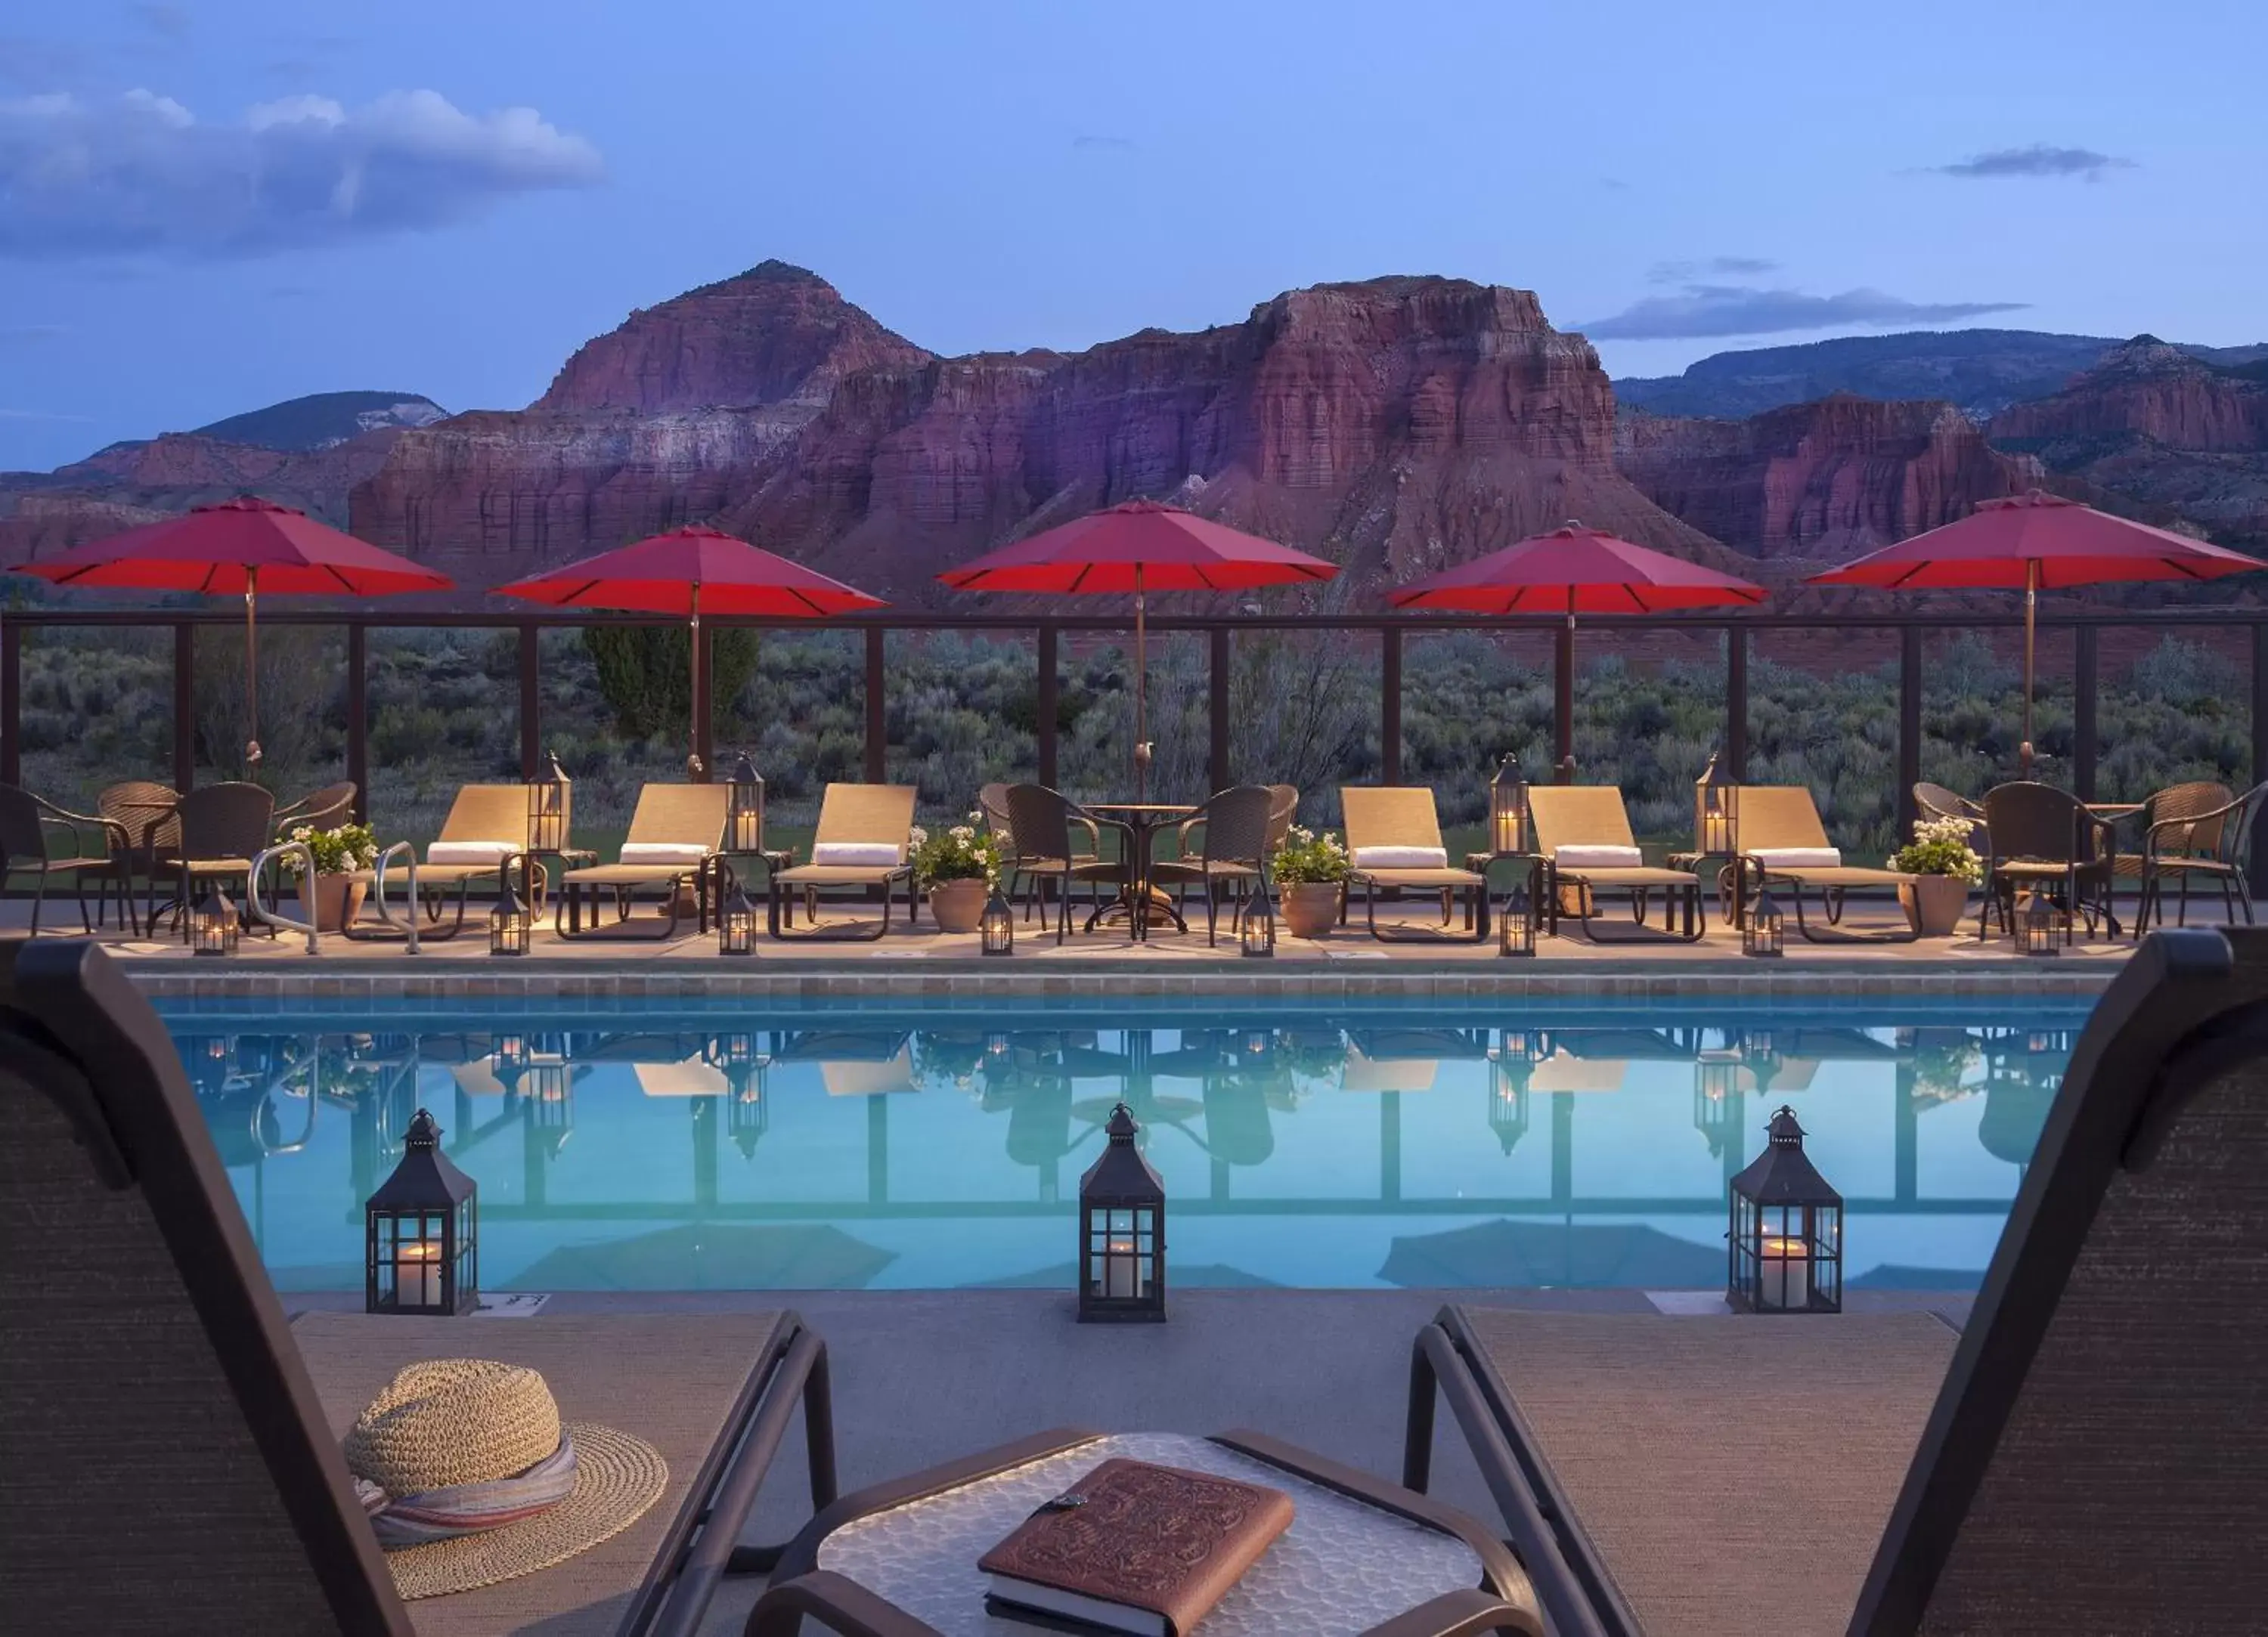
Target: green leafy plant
{"type": "Point", "coordinates": [1307, 858]}
{"type": "Point", "coordinates": [338, 852]}
{"type": "Point", "coordinates": [964, 853]}
{"type": "Point", "coordinates": [645, 673]}
{"type": "Point", "coordinates": [1941, 848]}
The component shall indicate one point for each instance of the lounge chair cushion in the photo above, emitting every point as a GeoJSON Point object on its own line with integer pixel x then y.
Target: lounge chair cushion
{"type": "Point", "coordinates": [1798, 857]}
{"type": "Point", "coordinates": [1401, 857]}
{"type": "Point", "coordinates": [663, 852]}
{"type": "Point", "coordinates": [470, 852]}
{"type": "Point", "coordinates": [1597, 857]}
{"type": "Point", "coordinates": [861, 855]}
{"type": "Point", "coordinates": [840, 875]}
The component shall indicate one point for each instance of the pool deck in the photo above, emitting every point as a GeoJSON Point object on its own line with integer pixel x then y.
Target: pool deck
{"type": "Point", "coordinates": [922, 1376]}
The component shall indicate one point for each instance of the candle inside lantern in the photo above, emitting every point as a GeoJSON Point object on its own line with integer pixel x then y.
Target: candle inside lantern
{"type": "Point", "coordinates": [1120, 1261]}
{"type": "Point", "coordinates": [418, 1273]}
{"type": "Point", "coordinates": [1786, 1269]}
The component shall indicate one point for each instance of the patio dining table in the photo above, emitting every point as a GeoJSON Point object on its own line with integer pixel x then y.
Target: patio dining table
{"type": "Point", "coordinates": [1142, 819]}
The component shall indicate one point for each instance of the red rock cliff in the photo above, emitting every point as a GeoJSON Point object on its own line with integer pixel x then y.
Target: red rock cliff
{"type": "Point", "coordinates": [1826, 480]}
{"type": "Point", "coordinates": [2148, 389]}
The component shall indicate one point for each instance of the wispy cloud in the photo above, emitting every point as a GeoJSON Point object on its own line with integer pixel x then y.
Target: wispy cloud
{"type": "Point", "coordinates": [1103, 144]}
{"type": "Point", "coordinates": [2039, 159]}
{"type": "Point", "coordinates": [40, 415]}
{"type": "Point", "coordinates": [1720, 266]}
{"type": "Point", "coordinates": [141, 173]}
{"type": "Point", "coordinates": [1706, 310]}
{"type": "Point", "coordinates": [159, 16]}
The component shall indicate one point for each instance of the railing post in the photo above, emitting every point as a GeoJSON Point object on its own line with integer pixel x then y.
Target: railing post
{"type": "Point", "coordinates": [877, 724]}
{"type": "Point", "coordinates": [1908, 725]}
{"type": "Point", "coordinates": [185, 705]}
{"type": "Point", "coordinates": [531, 698]}
{"type": "Point", "coordinates": [11, 703]}
{"type": "Point", "coordinates": [1389, 706]}
{"type": "Point", "coordinates": [1563, 704]}
{"type": "Point", "coordinates": [2083, 692]}
{"type": "Point", "coordinates": [1046, 706]}
{"type": "Point", "coordinates": [704, 703]}
{"type": "Point", "coordinates": [358, 717]}
{"type": "Point", "coordinates": [1217, 678]}
{"type": "Point", "coordinates": [1736, 702]}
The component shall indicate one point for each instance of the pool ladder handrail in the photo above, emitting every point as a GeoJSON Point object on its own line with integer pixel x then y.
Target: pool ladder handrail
{"type": "Point", "coordinates": [408, 928]}
{"type": "Point", "coordinates": [261, 911]}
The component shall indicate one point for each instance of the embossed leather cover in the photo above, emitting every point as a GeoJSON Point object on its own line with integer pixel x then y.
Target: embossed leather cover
{"type": "Point", "coordinates": [1160, 1539]}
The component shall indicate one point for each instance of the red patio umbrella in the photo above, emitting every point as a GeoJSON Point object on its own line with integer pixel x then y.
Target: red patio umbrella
{"type": "Point", "coordinates": [2039, 542]}
{"type": "Point", "coordinates": [1574, 570]}
{"type": "Point", "coordinates": [247, 545]}
{"type": "Point", "coordinates": [691, 571]}
{"type": "Point", "coordinates": [1138, 546]}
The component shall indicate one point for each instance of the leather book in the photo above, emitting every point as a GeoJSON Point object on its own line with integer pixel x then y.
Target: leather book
{"type": "Point", "coordinates": [1136, 1548]}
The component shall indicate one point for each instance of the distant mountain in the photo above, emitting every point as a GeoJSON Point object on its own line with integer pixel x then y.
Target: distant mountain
{"type": "Point", "coordinates": [322, 419]}
{"type": "Point", "coordinates": [1981, 371]}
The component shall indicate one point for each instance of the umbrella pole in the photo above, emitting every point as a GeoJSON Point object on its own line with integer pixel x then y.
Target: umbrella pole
{"type": "Point", "coordinates": [1141, 692]}
{"type": "Point", "coordinates": [2031, 616]}
{"type": "Point", "coordinates": [1565, 689]}
{"type": "Point", "coordinates": [694, 770]}
{"type": "Point", "coordinates": [252, 669]}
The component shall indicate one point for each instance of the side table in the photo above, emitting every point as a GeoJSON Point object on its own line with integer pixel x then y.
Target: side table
{"type": "Point", "coordinates": [1731, 891]}
{"type": "Point", "coordinates": [1481, 864]}
{"type": "Point", "coordinates": [774, 859]}
{"type": "Point", "coordinates": [535, 880]}
{"type": "Point", "coordinates": [1362, 1558]}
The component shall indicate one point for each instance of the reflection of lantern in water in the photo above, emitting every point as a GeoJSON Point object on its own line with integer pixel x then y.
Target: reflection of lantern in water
{"type": "Point", "coordinates": [744, 1062]}
{"type": "Point", "coordinates": [1718, 1108]}
{"type": "Point", "coordinates": [1511, 1064]}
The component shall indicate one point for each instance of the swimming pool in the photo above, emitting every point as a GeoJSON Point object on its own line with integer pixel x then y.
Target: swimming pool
{"type": "Point", "coordinates": [804, 1147]}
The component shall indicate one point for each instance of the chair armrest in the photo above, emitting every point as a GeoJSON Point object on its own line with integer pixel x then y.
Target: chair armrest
{"type": "Point", "coordinates": [1093, 829]}
{"type": "Point", "coordinates": [54, 818]}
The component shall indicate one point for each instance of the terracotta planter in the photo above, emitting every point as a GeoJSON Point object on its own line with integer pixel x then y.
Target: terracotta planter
{"type": "Point", "coordinates": [1311, 909]}
{"type": "Point", "coordinates": [958, 905]}
{"type": "Point", "coordinates": [1935, 904]}
{"type": "Point", "coordinates": [334, 902]}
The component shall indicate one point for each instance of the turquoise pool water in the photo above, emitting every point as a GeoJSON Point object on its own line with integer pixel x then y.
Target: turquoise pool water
{"type": "Point", "coordinates": [1338, 1147]}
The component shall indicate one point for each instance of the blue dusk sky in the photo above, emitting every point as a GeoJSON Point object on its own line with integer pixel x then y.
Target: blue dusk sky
{"type": "Point", "coordinates": [209, 205]}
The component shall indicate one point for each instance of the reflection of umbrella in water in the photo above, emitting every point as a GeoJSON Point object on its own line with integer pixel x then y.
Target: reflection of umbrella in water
{"type": "Point", "coordinates": [711, 1256]}
{"type": "Point", "coordinates": [1508, 1253]}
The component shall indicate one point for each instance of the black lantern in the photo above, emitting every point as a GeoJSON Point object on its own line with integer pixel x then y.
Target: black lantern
{"type": "Point", "coordinates": [214, 928]}
{"type": "Point", "coordinates": [1508, 810]}
{"type": "Point", "coordinates": [1516, 925]}
{"type": "Point", "coordinates": [1762, 933]}
{"type": "Point", "coordinates": [550, 802]}
{"type": "Point", "coordinates": [547, 1081]}
{"type": "Point", "coordinates": [1512, 1065]}
{"type": "Point", "coordinates": [1256, 935]}
{"type": "Point", "coordinates": [1786, 1233]}
{"type": "Point", "coordinates": [421, 1239]}
{"type": "Point", "coordinates": [508, 927]}
{"type": "Point", "coordinates": [2037, 932]}
{"type": "Point", "coordinates": [736, 923]}
{"type": "Point", "coordinates": [1122, 1231]}
{"type": "Point", "coordinates": [996, 929]}
{"type": "Point", "coordinates": [743, 819]}
{"type": "Point", "coordinates": [1716, 1097]}
{"type": "Point", "coordinates": [744, 1063]}
{"type": "Point", "coordinates": [1716, 812]}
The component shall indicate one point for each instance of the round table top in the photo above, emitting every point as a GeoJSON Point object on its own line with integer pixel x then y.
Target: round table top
{"type": "Point", "coordinates": [1167, 810]}
{"type": "Point", "coordinates": [1342, 1566]}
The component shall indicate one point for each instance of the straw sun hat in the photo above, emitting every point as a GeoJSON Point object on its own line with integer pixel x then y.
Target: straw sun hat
{"type": "Point", "coordinates": [452, 1443]}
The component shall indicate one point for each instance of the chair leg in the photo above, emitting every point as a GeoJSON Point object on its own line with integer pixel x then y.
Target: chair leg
{"type": "Point", "coordinates": [2182, 915]}
{"type": "Point", "coordinates": [39, 901]}
{"type": "Point", "coordinates": [1212, 910]}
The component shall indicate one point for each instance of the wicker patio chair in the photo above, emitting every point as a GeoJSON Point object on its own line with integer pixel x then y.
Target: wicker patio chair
{"type": "Point", "coordinates": [1583, 833]}
{"type": "Point", "coordinates": [326, 809]}
{"type": "Point", "coordinates": [1917, 1480]}
{"type": "Point", "coordinates": [864, 837]}
{"type": "Point", "coordinates": [2191, 837]}
{"type": "Point", "coordinates": [1231, 832]}
{"type": "Point", "coordinates": [28, 828]}
{"type": "Point", "coordinates": [992, 801]}
{"type": "Point", "coordinates": [1391, 824]}
{"type": "Point", "coordinates": [143, 809]}
{"type": "Point", "coordinates": [1780, 831]}
{"type": "Point", "coordinates": [676, 832]}
{"type": "Point", "coordinates": [223, 827]}
{"type": "Point", "coordinates": [1934, 800]}
{"type": "Point", "coordinates": [2044, 840]}
{"type": "Point", "coordinates": [170, 1449]}
{"type": "Point", "coordinates": [485, 829]}
{"type": "Point", "coordinates": [1041, 848]}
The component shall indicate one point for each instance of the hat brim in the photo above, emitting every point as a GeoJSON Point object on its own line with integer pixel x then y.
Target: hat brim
{"type": "Point", "coordinates": [618, 1478]}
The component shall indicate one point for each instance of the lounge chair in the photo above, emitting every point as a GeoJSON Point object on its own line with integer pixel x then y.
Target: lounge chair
{"type": "Point", "coordinates": [1583, 833]}
{"type": "Point", "coordinates": [863, 841]}
{"type": "Point", "coordinates": [96, 848]}
{"type": "Point", "coordinates": [2195, 833]}
{"type": "Point", "coordinates": [2044, 842]}
{"type": "Point", "coordinates": [485, 830]}
{"type": "Point", "coordinates": [1232, 834]}
{"type": "Point", "coordinates": [169, 1453]}
{"type": "Point", "coordinates": [2089, 1454]}
{"type": "Point", "coordinates": [1783, 844]}
{"type": "Point", "coordinates": [675, 830]}
{"type": "Point", "coordinates": [1394, 836]}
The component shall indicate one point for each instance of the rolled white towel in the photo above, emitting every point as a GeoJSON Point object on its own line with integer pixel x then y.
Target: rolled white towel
{"type": "Point", "coordinates": [859, 855]}
{"type": "Point", "coordinates": [1598, 857]}
{"type": "Point", "coordinates": [1798, 857]}
{"type": "Point", "coordinates": [470, 852]}
{"type": "Point", "coordinates": [663, 852]}
{"type": "Point", "coordinates": [1401, 857]}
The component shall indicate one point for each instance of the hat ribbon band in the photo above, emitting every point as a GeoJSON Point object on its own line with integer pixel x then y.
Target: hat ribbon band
{"type": "Point", "coordinates": [467, 1509]}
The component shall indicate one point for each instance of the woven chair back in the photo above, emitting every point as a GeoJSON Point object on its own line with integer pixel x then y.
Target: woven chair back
{"type": "Point", "coordinates": [145, 808]}
{"type": "Point", "coordinates": [1577, 815]}
{"type": "Point", "coordinates": [866, 812]}
{"type": "Point", "coordinates": [1776, 816]}
{"type": "Point", "coordinates": [1936, 801]}
{"type": "Point", "coordinates": [2240, 827]}
{"type": "Point", "coordinates": [2036, 822]}
{"type": "Point", "coordinates": [327, 809]}
{"type": "Point", "coordinates": [992, 801]}
{"type": "Point", "coordinates": [233, 821]}
{"type": "Point", "coordinates": [487, 813]}
{"type": "Point", "coordinates": [2189, 801]}
{"type": "Point", "coordinates": [1039, 822]}
{"type": "Point", "coordinates": [681, 815]}
{"type": "Point", "coordinates": [1389, 815]}
{"type": "Point", "coordinates": [1236, 825]}
{"type": "Point", "coordinates": [1282, 813]}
